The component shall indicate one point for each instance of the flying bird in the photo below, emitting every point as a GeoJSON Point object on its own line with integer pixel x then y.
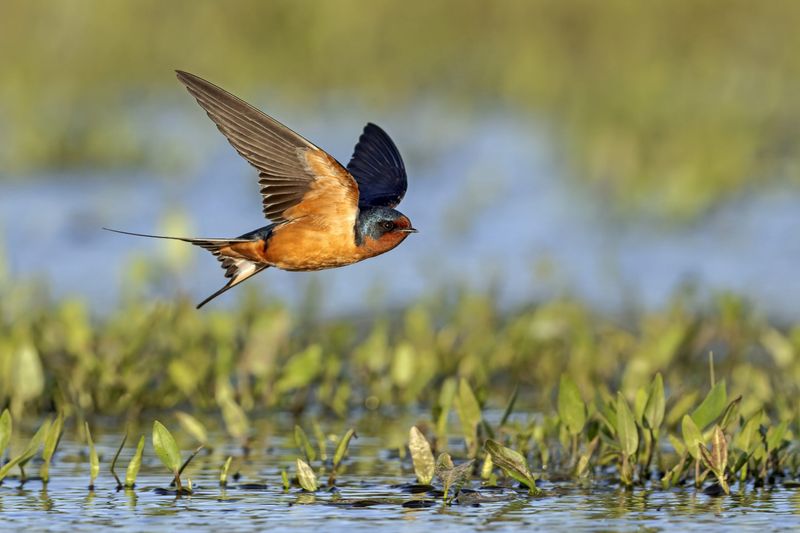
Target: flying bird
{"type": "Point", "coordinates": [323, 214]}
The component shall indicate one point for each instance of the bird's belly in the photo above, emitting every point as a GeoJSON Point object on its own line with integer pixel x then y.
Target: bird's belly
{"type": "Point", "coordinates": [301, 248]}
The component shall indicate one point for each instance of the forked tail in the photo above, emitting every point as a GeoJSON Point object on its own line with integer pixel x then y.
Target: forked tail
{"type": "Point", "coordinates": [237, 269]}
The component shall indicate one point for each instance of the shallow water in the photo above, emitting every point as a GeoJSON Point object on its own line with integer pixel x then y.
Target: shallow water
{"type": "Point", "coordinates": [371, 491]}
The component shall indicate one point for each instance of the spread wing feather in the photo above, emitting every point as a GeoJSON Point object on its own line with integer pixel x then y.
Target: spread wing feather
{"type": "Point", "coordinates": [291, 169]}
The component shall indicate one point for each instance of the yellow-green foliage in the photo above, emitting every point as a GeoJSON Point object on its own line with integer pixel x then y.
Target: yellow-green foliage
{"type": "Point", "coordinates": [686, 99]}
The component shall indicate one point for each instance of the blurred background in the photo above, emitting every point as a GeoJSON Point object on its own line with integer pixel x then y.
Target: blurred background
{"type": "Point", "coordinates": [615, 152]}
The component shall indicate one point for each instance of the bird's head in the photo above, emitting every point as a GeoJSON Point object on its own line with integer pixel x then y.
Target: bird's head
{"type": "Point", "coordinates": [382, 228]}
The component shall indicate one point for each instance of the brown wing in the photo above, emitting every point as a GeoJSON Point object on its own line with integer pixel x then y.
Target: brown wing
{"type": "Point", "coordinates": [296, 177]}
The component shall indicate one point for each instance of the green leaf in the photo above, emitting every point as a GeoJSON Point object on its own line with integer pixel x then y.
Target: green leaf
{"type": "Point", "coordinates": [571, 409]}
{"type": "Point", "coordinates": [50, 445]}
{"type": "Point", "coordinates": [166, 448]}
{"type": "Point", "coordinates": [34, 444]}
{"type": "Point", "coordinates": [303, 444]}
{"type": "Point", "coordinates": [627, 434]}
{"type": "Point", "coordinates": [691, 436]}
{"type": "Point", "coordinates": [134, 465]}
{"type": "Point", "coordinates": [512, 463]}
{"type": "Point", "coordinates": [192, 426]}
{"type": "Point", "coordinates": [509, 406]}
{"type": "Point", "coordinates": [28, 453]}
{"type": "Point", "coordinates": [775, 436]}
{"type": "Point", "coordinates": [94, 461]}
{"type": "Point", "coordinates": [730, 413]}
{"type": "Point", "coordinates": [5, 431]}
{"type": "Point", "coordinates": [306, 476]}
{"type": "Point", "coordinates": [677, 444]}
{"type": "Point", "coordinates": [654, 409]}
{"type": "Point", "coordinates": [711, 407]}
{"type": "Point", "coordinates": [746, 438]}
{"type": "Point", "coordinates": [341, 448]}
{"type": "Point", "coordinates": [469, 413]}
{"type": "Point", "coordinates": [447, 395]}
{"type": "Point", "coordinates": [235, 418]}
{"type": "Point", "coordinates": [321, 441]}
{"type": "Point", "coordinates": [421, 455]}
{"type": "Point", "coordinates": [285, 480]}
{"type": "Point", "coordinates": [223, 474]}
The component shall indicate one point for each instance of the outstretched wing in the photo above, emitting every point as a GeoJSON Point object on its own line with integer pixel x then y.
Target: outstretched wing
{"type": "Point", "coordinates": [378, 168]}
{"type": "Point", "coordinates": [296, 177]}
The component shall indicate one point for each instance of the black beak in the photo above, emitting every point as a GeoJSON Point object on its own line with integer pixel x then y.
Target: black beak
{"type": "Point", "coordinates": [409, 230]}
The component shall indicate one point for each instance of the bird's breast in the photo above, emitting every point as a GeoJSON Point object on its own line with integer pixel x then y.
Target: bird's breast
{"type": "Point", "coordinates": [309, 245]}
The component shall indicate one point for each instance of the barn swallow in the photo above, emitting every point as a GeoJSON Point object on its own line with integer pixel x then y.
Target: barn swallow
{"type": "Point", "coordinates": [323, 214]}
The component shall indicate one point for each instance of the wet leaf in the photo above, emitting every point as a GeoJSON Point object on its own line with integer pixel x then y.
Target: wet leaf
{"type": "Point", "coordinates": [303, 444]}
{"type": "Point", "coordinates": [711, 407]}
{"type": "Point", "coordinates": [192, 426]}
{"type": "Point", "coordinates": [571, 409]}
{"type": "Point", "coordinates": [691, 436]}
{"type": "Point", "coordinates": [627, 434]}
{"type": "Point", "coordinates": [452, 477]}
{"type": "Point", "coordinates": [166, 448]}
{"type": "Point", "coordinates": [341, 448]}
{"type": "Point", "coordinates": [306, 476]}
{"type": "Point", "coordinates": [654, 409]}
{"type": "Point", "coordinates": [421, 455]}
{"type": "Point", "coordinates": [50, 444]}
{"type": "Point", "coordinates": [94, 461]}
{"type": "Point", "coordinates": [512, 463]}
{"type": "Point", "coordinates": [134, 464]}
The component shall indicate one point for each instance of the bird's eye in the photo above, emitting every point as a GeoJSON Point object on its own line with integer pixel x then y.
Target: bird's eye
{"type": "Point", "coordinates": [388, 225]}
